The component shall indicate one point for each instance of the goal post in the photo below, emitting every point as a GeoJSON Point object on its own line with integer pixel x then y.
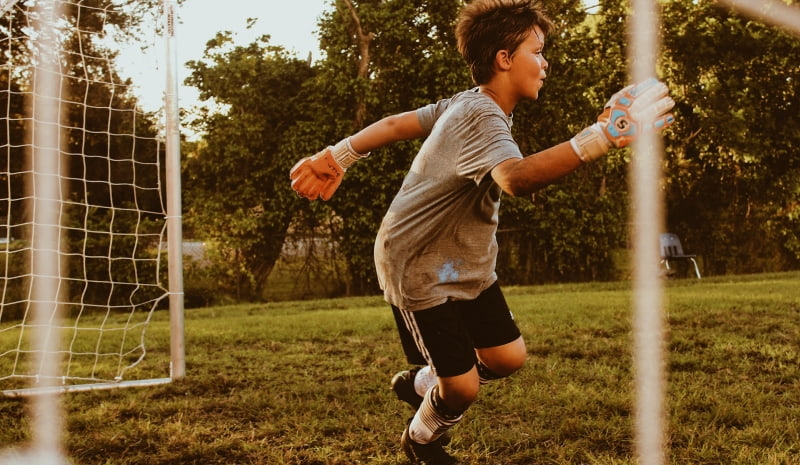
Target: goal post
{"type": "Point", "coordinates": [174, 217]}
{"type": "Point", "coordinates": [91, 191]}
{"type": "Point", "coordinates": [647, 215]}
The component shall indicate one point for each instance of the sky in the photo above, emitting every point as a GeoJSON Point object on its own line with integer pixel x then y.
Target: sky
{"type": "Point", "coordinates": [291, 24]}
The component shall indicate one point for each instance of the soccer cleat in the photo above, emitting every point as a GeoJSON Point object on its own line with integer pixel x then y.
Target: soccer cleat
{"type": "Point", "coordinates": [403, 387]}
{"type": "Point", "coordinates": [426, 454]}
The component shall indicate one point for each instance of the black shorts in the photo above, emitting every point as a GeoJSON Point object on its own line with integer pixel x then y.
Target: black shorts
{"type": "Point", "coordinates": [446, 336]}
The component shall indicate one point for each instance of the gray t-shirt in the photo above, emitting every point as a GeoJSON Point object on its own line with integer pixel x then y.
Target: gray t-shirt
{"type": "Point", "coordinates": [437, 241]}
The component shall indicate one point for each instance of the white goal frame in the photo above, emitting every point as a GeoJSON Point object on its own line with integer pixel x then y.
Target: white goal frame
{"type": "Point", "coordinates": [48, 273]}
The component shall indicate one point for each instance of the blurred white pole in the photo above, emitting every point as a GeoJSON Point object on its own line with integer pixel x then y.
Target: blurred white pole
{"type": "Point", "coordinates": [46, 267]}
{"type": "Point", "coordinates": [647, 214]}
{"type": "Point", "coordinates": [772, 12]}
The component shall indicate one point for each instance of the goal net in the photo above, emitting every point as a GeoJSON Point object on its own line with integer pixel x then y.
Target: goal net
{"type": "Point", "coordinates": [90, 197]}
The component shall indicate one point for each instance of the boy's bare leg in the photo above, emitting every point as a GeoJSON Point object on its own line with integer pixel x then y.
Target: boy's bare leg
{"type": "Point", "coordinates": [443, 408]}
{"type": "Point", "coordinates": [503, 360]}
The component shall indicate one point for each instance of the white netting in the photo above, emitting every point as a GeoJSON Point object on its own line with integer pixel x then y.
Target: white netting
{"type": "Point", "coordinates": [111, 214]}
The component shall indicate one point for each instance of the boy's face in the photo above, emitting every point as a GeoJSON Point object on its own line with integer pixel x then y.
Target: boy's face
{"type": "Point", "coordinates": [529, 66]}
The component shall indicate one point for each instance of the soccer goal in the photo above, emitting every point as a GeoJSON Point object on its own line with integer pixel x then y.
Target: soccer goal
{"type": "Point", "coordinates": [90, 225]}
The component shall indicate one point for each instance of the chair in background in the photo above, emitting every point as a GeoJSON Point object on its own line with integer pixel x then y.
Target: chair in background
{"type": "Point", "coordinates": [671, 249]}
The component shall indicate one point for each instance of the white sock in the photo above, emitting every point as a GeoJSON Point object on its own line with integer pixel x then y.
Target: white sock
{"type": "Point", "coordinates": [430, 422]}
{"type": "Point", "coordinates": [424, 380]}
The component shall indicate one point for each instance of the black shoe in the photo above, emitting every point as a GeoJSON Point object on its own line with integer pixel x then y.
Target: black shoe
{"type": "Point", "coordinates": [403, 386]}
{"type": "Point", "coordinates": [426, 454]}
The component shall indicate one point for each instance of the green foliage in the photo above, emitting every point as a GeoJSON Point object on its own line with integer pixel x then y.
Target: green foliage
{"type": "Point", "coordinates": [15, 282]}
{"type": "Point", "coordinates": [111, 155]}
{"type": "Point", "coordinates": [733, 184]}
{"type": "Point", "coordinates": [108, 265]}
{"type": "Point", "coordinates": [414, 62]}
{"type": "Point", "coordinates": [237, 194]}
{"type": "Point", "coordinates": [731, 175]}
{"type": "Point", "coordinates": [568, 231]}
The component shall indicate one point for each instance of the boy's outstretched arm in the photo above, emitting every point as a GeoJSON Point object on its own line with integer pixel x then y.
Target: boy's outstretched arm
{"type": "Point", "coordinates": [320, 175]}
{"type": "Point", "coordinates": [646, 104]}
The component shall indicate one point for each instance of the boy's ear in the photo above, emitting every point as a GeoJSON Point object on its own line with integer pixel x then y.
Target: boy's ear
{"type": "Point", "coordinates": [502, 60]}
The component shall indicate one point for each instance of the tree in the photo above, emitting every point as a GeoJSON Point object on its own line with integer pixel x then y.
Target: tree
{"type": "Point", "coordinates": [100, 114]}
{"type": "Point", "coordinates": [726, 177]}
{"type": "Point", "coordinates": [237, 193]}
{"type": "Point", "coordinates": [413, 61]}
{"type": "Point", "coordinates": [569, 231]}
{"type": "Point", "coordinates": [733, 187]}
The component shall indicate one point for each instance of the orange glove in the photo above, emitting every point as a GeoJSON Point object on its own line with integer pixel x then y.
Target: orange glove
{"type": "Point", "coordinates": [319, 176]}
{"type": "Point", "coordinates": [634, 107]}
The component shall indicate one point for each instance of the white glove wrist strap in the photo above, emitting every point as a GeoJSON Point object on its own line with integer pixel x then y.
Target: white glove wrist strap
{"type": "Point", "coordinates": [344, 154]}
{"type": "Point", "coordinates": [591, 143]}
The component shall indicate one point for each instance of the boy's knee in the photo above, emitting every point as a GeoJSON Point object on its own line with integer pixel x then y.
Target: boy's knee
{"type": "Point", "coordinates": [500, 368]}
{"type": "Point", "coordinates": [459, 392]}
{"type": "Point", "coordinates": [502, 361]}
{"type": "Point", "coordinates": [512, 364]}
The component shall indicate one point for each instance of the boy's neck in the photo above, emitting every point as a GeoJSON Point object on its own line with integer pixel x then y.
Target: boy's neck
{"type": "Point", "coordinates": [505, 104]}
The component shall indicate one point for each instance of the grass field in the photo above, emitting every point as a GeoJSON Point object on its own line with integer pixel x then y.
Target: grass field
{"type": "Point", "coordinates": [306, 383]}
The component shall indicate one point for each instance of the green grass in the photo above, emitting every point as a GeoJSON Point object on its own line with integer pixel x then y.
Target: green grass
{"type": "Point", "coordinates": [306, 383]}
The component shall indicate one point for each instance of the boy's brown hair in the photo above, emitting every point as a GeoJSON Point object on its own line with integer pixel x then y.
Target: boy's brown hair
{"type": "Point", "coordinates": [488, 26]}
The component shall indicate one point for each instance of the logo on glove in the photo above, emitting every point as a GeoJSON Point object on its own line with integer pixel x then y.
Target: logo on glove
{"type": "Point", "coordinates": [622, 125]}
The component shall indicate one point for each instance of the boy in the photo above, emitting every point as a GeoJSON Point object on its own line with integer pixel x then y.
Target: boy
{"type": "Point", "coordinates": [436, 249]}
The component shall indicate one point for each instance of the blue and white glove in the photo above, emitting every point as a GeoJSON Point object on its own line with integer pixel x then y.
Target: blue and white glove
{"type": "Point", "coordinates": [646, 104]}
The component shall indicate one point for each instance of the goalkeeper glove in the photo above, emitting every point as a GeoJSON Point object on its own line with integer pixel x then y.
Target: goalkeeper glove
{"type": "Point", "coordinates": [623, 117]}
{"type": "Point", "coordinates": [320, 175]}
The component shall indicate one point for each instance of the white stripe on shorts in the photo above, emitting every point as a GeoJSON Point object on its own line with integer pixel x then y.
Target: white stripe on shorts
{"type": "Point", "coordinates": [411, 324]}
